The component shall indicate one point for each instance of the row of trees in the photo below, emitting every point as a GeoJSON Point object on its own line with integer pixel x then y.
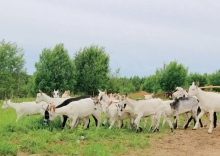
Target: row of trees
{"type": "Point", "coordinates": [86, 72]}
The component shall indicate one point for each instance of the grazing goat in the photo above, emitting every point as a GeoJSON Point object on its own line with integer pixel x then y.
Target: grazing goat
{"type": "Point", "coordinates": [208, 102]}
{"type": "Point", "coordinates": [50, 101]}
{"type": "Point", "coordinates": [25, 108]}
{"type": "Point", "coordinates": [60, 102]}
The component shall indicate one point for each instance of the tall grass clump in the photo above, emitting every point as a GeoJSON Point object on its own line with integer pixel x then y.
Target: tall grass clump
{"type": "Point", "coordinates": [7, 148]}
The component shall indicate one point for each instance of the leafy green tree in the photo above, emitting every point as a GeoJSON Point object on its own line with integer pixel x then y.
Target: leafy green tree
{"type": "Point", "coordinates": [196, 77]}
{"type": "Point", "coordinates": [30, 87]}
{"type": "Point", "coordinates": [172, 76]}
{"type": "Point", "coordinates": [214, 79]}
{"type": "Point", "coordinates": [12, 73]}
{"type": "Point", "coordinates": [126, 85]}
{"type": "Point", "coordinates": [92, 64]}
{"type": "Point", "coordinates": [113, 85]}
{"type": "Point", "coordinates": [137, 82]}
{"type": "Point", "coordinates": [151, 84]}
{"type": "Point", "coordinates": [55, 70]}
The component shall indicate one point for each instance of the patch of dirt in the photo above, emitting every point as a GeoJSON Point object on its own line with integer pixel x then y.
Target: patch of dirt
{"type": "Point", "coordinates": [183, 143]}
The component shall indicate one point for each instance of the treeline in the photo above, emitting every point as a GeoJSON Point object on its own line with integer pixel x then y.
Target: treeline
{"type": "Point", "coordinates": [86, 72]}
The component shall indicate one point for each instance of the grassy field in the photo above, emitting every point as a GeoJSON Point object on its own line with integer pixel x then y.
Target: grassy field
{"type": "Point", "coordinates": [30, 136]}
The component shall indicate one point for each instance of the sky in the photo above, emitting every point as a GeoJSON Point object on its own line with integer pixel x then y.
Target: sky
{"type": "Point", "coordinates": [138, 35]}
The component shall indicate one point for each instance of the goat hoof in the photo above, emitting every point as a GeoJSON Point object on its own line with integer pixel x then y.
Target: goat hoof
{"type": "Point", "coordinates": [171, 129]}
{"type": "Point", "coordinates": [209, 132]}
{"type": "Point", "coordinates": [139, 130]}
{"type": "Point", "coordinates": [186, 126]}
{"type": "Point", "coordinates": [175, 126]}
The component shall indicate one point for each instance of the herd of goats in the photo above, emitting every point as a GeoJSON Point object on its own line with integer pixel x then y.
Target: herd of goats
{"type": "Point", "coordinates": [117, 108]}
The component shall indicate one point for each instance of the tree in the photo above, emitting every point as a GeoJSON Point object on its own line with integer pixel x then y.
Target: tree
{"type": "Point", "coordinates": [214, 79]}
{"type": "Point", "coordinates": [92, 64]}
{"type": "Point", "coordinates": [113, 85]}
{"type": "Point", "coordinates": [196, 77]}
{"type": "Point", "coordinates": [12, 73]}
{"type": "Point", "coordinates": [126, 85]}
{"type": "Point", "coordinates": [137, 82]}
{"type": "Point", "coordinates": [172, 76]}
{"type": "Point", "coordinates": [55, 70]}
{"type": "Point", "coordinates": [151, 84]}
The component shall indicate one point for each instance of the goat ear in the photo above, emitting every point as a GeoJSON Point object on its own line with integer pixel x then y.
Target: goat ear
{"type": "Point", "coordinates": [105, 91]}
{"type": "Point", "coordinates": [193, 84]}
{"type": "Point", "coordinates": [40, 92]}
{"type": "Point", "coordinates": [197, 84]}
{"type": "Point", "coordinates": [99, 91]}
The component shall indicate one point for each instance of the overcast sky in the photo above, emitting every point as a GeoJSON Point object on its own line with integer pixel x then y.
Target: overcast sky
{"type": "Point", "coordinates": [139, 35]}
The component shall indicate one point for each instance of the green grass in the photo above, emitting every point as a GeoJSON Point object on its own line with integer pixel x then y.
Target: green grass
{"type": "Point", "coordinates": [30, 136]}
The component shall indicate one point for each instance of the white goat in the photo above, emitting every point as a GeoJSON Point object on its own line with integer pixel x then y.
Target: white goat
{"type": "Point", "coordinates": [144, 108]}
{"type": "Point", "coordinates": [49, 100]}
{"type": "Point", "coordinates": [167, 109]}
{"type": "Point", "coordinates": [182, 97]}
{"type": "Point", "coordinates": [208, 102]}
{"type": "Point", "coordinates": [66, 94]}
{"type": "Point", "coordinates": [148, 96]}
{"type": "Point", "coordinates": [75, 110]}
{"type": "Point", "coordinates": [25, 108]}
{"type": "Point", "coordinates": [109, 106]}
{"type": "Point", "coordinates": [56, 93]}
{"type": "Point", "coordinates": [56, 102]}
